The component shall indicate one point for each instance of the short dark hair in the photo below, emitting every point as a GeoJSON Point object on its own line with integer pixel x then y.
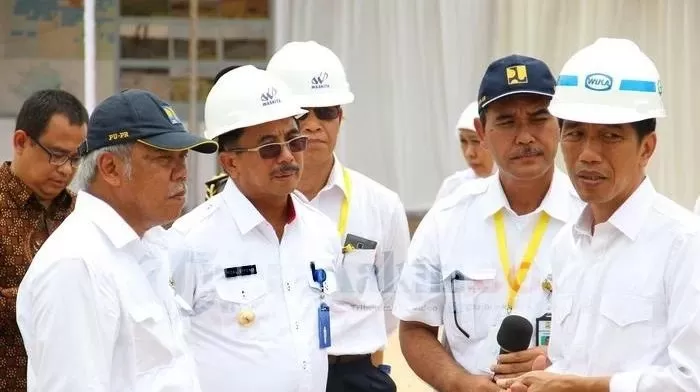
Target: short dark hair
{"type": "Point", "coordinates": [642, 128]}
{"type": "Point", "coordinates": [40, 107]}
{"type": "Point", "coordinates": [229, 139]}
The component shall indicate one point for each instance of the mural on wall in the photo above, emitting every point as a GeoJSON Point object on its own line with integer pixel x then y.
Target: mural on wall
{"type": "Point", "coordinates": [42, 46]}
{"type": "Point", "coordinates": [39, 77]}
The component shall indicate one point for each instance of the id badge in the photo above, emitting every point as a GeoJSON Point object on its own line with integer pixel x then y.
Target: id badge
{"type": "Point", "coordinates": [324, 326]}
{"type": "Point", "coordinates": [543, 326]}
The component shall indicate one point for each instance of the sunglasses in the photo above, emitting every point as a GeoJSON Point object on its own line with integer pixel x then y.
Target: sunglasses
{"type": "Point", "coordinates": [274, 150]}
{"type": "Point", "coordinates": [325, 113]}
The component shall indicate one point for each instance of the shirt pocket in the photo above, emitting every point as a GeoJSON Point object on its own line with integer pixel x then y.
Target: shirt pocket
{"type": "Point", "coordinates": [627, 320]}
{"type": "Point", "coordinates": [153, 339]}
{"type": "Point", "coordinates": [474, 304]}
{"type": "Point", "coordinates": [357, 279]}
{"type": "Point", "coordinates": [241, 303]}
{"type": "Point", "coordinates": [563, 327]}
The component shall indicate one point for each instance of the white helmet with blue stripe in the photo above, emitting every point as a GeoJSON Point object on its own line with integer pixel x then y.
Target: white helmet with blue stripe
{"type": "Point", "coordinates": [609, 82]}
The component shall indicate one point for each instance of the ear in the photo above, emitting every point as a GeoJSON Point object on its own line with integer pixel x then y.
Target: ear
{"type": "Point", "coordinates": [340, 116]}
{"type": "Point", "coordinates": [20, 141]}
{"type": "Point", "coordinates": [111, 168]}
{"type": "Point", "coordinates": [647, 148]}
{"type": "Point", "coordinates": [480, 131]}
{"type": "Point", "coordinates": [229, 163]}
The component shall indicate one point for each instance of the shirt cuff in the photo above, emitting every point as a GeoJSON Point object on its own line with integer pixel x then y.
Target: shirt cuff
{"type": "Point", "coordinates": [625, 382]}
{"type": "Point", "coordinates": [429, 318]}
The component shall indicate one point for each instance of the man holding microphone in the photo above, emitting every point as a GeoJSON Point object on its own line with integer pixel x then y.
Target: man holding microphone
{"type": "Point", "coordinates": [483, 252]}
{"type": "Point", "coordinates": [626, 300]}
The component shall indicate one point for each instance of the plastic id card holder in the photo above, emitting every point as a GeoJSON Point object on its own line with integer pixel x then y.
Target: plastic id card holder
{"type": "Point", "coordinates": [543, 326]}
{"type": "Point", "coordinates": [324, 326]}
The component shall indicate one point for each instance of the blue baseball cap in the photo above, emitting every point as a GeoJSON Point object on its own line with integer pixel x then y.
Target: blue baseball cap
{"type": "Point", "coordinates": [140, 116]}
{"type": "Point", "coordinates": [515, 74]}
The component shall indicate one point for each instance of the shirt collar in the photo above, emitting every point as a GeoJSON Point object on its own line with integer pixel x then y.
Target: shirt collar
{"type": "Point", "coordinates": [337, 179]}
{"type": "Point", "coordinates": [22, 195]}
{"type": "Point", "coordinates": [553, 204]}
{"type": "Point", "coordinates": [629, 217]}
{"type": "Point", "coordinates": [119, 233]}
{"type": "Point", "coordinates": [244, 213]}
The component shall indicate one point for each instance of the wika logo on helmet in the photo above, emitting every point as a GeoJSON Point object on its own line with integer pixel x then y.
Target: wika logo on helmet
{"type": "Point", "coordinates": [598, 82]}
{"type": "Point", "coordinates": [319, 81]}
{"type": "Point", "coordinates": [269, 97]}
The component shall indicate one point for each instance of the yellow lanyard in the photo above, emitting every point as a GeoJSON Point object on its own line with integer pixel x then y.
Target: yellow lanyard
{"type": "Point", "coordinates": [514, 282]}
{"type": "Point", "coordinates": [345, 206]}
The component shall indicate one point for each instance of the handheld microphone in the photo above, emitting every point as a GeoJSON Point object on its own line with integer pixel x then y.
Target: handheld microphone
{"type": "Point", "coordinates": [514, 334]}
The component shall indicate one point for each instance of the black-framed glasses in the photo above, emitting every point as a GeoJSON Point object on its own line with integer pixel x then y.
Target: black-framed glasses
{"type": "Point", "coordinates": [274, 150]}
{"type": "Point", "coordinates": [324, 113]}
{"type": "Point", "coordinates": [59, 159]}
{"type": "Point", "coordinates": [457, 276]}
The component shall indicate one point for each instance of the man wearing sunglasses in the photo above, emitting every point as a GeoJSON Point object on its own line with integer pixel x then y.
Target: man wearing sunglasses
{"type": "Point", "coordinates": [370, 221]}
{"type": "Point", "coordinates": [259, 261]}
{"type": "Point", "coordinates": [483, 252]}
{"type": "Point", "coordinates": [33, 201]}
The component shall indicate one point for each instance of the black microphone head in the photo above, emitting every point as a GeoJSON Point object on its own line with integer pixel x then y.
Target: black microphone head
{"type": "Point", "coordinates": [515, 334]}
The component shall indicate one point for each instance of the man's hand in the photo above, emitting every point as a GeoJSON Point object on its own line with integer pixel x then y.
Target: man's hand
{"type": "Point", "coordinates": [470, 383]}
{"type": "Point", "coordinates": [9, 293]}
{"type": "Point", "coordinates": [516, 364]}
{"type": "Point", "coordinates": [537, 381]}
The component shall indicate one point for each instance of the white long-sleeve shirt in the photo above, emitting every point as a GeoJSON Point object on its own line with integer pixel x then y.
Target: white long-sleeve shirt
{"type": "Point", "coordinates": [96, 311]}
{"type": "Point", "coordinates": [257, 329]}
{"type": "Point", "coordinates": [367, 278]}
{"type": "Point", "coordinates": [626, 299]}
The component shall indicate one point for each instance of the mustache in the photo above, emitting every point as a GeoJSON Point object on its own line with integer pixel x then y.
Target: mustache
{"type": "Point", "coordinates": [178, 190]}
{"type": "Point", "coordinates": [527, 151]}
{"type": "Point", "coordinates": [286, 169]}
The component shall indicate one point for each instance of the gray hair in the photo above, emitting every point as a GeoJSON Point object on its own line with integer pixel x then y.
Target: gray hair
{"type": "Point", "coordinates": [88, 166]}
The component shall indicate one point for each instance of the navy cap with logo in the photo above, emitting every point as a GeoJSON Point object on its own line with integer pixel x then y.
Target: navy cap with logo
{"type": "Point", "coordinates": [515, 74]}
{"type": "Point", "coordinates": [138, 115]}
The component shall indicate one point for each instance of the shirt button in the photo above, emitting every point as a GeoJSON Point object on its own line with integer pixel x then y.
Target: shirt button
{"type": "Point", "coordinates": [296, 325]}
{"type": "Point", "coordinates": [305, 365]}
{"type": "Point", "coordinates": [289, 286]}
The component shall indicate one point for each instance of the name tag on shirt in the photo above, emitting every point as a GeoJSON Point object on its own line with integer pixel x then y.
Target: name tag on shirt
{"type": "Point", "coordinates": [244, 270]}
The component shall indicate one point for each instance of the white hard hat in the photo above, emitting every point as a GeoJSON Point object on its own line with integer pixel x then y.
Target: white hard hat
{"type": "Point", "coordinates": [244, 97]}
{"type": "Point", "coordinates": [609, 82]}
{"type": "Point", "coordinates": [466, 120]}
{"type": "Point", "coordinates": [314, 74]}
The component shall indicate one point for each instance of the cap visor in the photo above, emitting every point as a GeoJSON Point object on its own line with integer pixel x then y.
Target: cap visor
{"type": "Point", "coordinates": [492, 100]}
{"type": "Point", "coordinates": [181, 141]}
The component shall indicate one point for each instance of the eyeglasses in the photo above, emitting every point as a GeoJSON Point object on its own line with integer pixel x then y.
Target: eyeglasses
{"type": "Point", "coordinates": [59, 159]}
{"type": "Point", "coordinates": [273, 150]}
{"type": "Point", "coordinates": [457, 276]}
{"type": "Point", "coordinates": [325, 113]}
